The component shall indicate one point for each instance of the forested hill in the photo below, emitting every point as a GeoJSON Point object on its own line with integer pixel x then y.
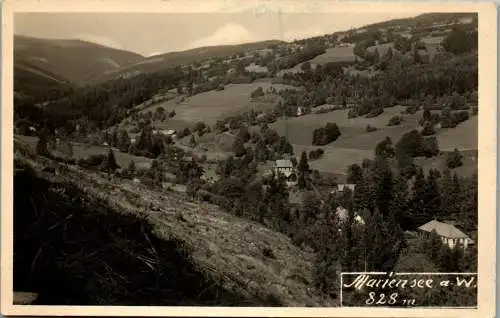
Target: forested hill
{"type": "Point", "coordinates": [72, 60]}
{"type": "Point", "coordinates": [173, 59]}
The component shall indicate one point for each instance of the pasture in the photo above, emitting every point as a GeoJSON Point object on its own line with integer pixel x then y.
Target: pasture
{"type": "Point", "coordinates": [469, 163]}
{"type": "Point", "coordinates": [354, 135]}
{"type": "Point", "coordinates": [462, 137]}
{"type": "Point", "coordinates": [335, 55]}
{"type": "Point", "coordinates": [355, 144]}
{"type": "Point", "coordinates": [214, 105]}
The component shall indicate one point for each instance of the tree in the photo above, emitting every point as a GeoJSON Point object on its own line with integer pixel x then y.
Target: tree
{"type": "Point", "coordinates": [124, 141]}
{"type": "Point", "coordinates": [303, 165]}
{"type": "Point", "coordinates": [41, 146]}
{"type": "Point", "coordinates": [261, 151]}
{"type": "Point", "coordinates": [67, 148]}
{"type": "Point", "coordinates": [239, 147]}
{"type": "Point", "coordinates": [244, 134]}
{"type": "Point", "coordinates": [110, 164]}
{"type": "Point", "coordinates": [454, 159]}
{"type": "Point", "coordinates": [398, 207]}
{"type": "Point", "coordinates": [383, 183]}
{"type": "Point", "coordinates": [354, 174]}
{"type": "Point", "coordinates": [385, 148]}
{"type": "Point", "coordinates": [431, 197]}
{"type": "Point", "coordinates": [303, 168]}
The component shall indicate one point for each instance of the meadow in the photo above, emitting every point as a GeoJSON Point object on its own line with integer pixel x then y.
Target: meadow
{"type": "Point", "coordinates": [214, 105]}
{"type": "Point", "coordinates": [336, 54]}
{"type": "Point", "coordinates": [355, 144]}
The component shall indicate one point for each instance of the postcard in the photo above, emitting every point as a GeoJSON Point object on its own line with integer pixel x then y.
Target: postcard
{"type": "Point", "coordinates": [248, 158]}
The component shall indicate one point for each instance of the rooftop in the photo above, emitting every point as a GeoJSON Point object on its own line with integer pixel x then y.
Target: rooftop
{"type": "Point", "coordinates": [284, 163]}
{"type": "Point", "coordinates": [443, 229]}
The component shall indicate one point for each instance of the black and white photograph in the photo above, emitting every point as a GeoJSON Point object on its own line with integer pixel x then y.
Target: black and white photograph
{"type": "Point", "coordinates": [249, 155]}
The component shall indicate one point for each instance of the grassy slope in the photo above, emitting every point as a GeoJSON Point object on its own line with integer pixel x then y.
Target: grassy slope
{"type": "Point", "coordinates": [355, 144]}
{"type": "Point", "coordinates": [213, 105]}
{"type": "Point", "coordinates": [225, 249]}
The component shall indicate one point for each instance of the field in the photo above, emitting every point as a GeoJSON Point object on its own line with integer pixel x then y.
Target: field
{"type": "Point", "coordinates": [336, 54]}
{"type": "Point", "coordinates": [355, 144]}
{"type": "Point", "coordinates": [213, 105]}
{"type": "Point", "coordinates": [463, 137]}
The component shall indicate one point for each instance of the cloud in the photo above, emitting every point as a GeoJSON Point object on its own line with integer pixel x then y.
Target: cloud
{"type": "Point", "coordinates": [303, 33]}
{"type": "Point", "coordinates": [230, 33]}
{"type": "Point", "coordinates": [102, 40]}
{"type": "Point", "coordinates": [153, 54]}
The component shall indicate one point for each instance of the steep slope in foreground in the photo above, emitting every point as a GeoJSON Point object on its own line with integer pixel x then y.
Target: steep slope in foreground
{"type": "Point", "coordinates": [118, 243]}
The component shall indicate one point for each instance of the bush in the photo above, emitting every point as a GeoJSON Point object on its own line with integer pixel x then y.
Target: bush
{"type": "Point", "coordinates": [326, 135]}
{"type": "Point", "coordinates": [370, 128]}
{"type": "Point", "coordinates": [353, 113]}
{"type": "Point", "coordinates": [91, 161]}
{"type": "Point", "coordinates": [375, 112]}
{"type": "Point", "coordinates": [183, 133]}
{"type": "Point", "coordinates": [394, 121]}
{"type": "Point", "coordinates": [428, 129]}
{"type": "Point", "coordinates": [316, 154]}
{"type": "Point", "coordinates": [257, 93]}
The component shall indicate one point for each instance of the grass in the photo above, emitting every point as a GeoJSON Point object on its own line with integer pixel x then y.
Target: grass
{"type": "Point", "coordinates": [355, 144]}
{"type": "Point", "coordinates": [213, 105]}
{"type": "Point", "coordinates": [462, 137]}
{"type": "Point", "coordinates": [336, 54]}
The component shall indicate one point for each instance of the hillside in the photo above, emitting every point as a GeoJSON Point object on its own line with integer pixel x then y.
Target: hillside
{"type": "Point", "coordinates": [173, 59]}
{"type": "Point", "coordinates": [132, 245]}
{"type": "Point", "coordinates": [74, 61]}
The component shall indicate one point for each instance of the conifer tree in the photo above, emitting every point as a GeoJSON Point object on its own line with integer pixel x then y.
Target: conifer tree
{"type": "Point", "coordinates": [303, 168]}
{"type": "Point", "coordinates": [431, 197]}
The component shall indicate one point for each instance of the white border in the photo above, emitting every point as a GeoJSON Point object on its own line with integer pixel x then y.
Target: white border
{"type": "Point", "coordinates": [487, 148]}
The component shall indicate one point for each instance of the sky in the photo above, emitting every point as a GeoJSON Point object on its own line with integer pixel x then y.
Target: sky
{"type": "Point", "coordinates": [155, 33]}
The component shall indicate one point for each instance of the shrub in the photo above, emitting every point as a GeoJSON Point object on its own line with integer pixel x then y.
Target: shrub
{"type": "Point", "coordinates": [92, 161]}
{"type": "Point", "coordinates": [375, 112]}
{"type": "Point", "coordinates": [326, 135]}
{"type": "Point", "coordinates": [316, 154]}
{"type": "Point", "coordinates": [394, 121]}
{"type": "Point", "coordinates": [257, 93]}
{"type": "Point", "coordinates": [428, 129]}
{"type": "Point", "coordinates": [353, 113]}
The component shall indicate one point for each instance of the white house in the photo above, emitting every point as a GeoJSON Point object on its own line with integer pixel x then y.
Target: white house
{"type": "Point", "coordinates": [284, 166]}
{"type": "Point", "coordinates": [448, 233]}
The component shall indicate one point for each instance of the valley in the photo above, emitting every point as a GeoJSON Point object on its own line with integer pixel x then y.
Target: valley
{"type": "Point", "coordinates": [240, 168]}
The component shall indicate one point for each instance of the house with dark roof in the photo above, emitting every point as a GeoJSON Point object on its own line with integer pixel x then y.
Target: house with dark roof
{"type": "Point", "coordinates": [448, 233]}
